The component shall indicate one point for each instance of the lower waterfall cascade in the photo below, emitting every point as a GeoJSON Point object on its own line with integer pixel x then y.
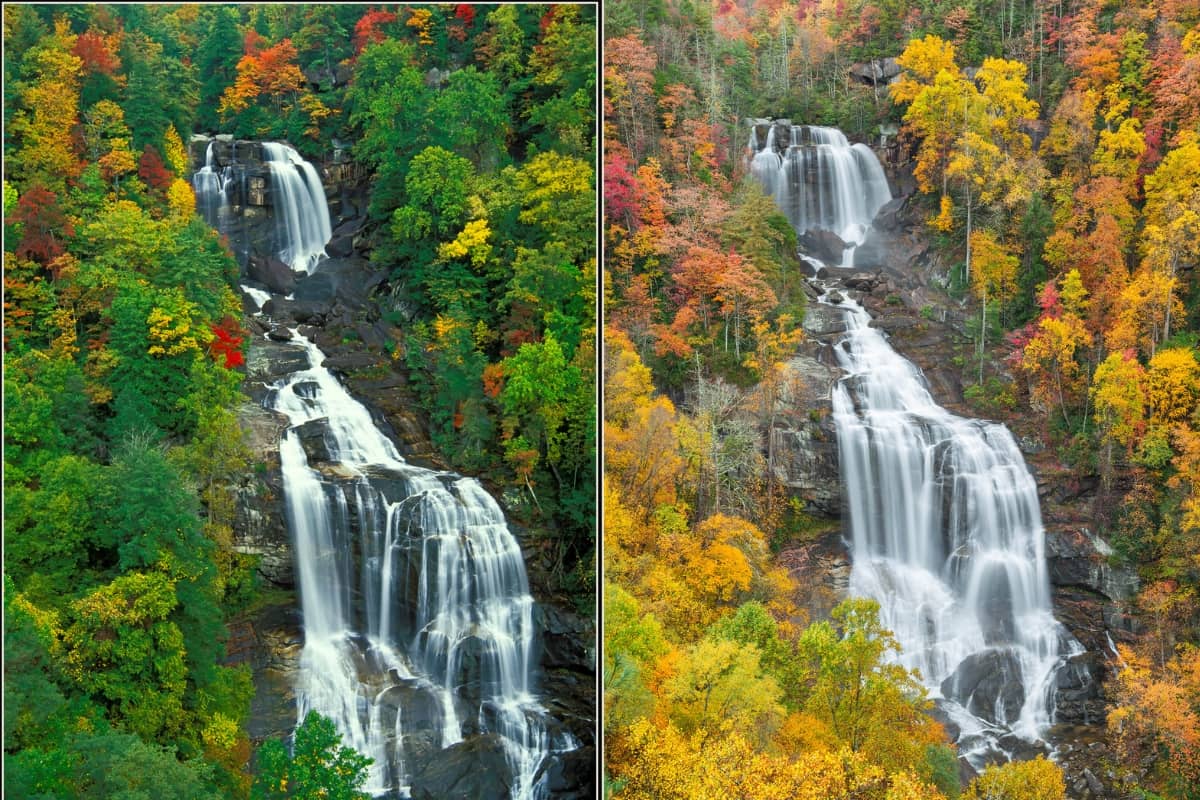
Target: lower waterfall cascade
{"type": "Point", "coordinates": [946, 534]}
{"type": "Point", "coordinates": [443, 641]}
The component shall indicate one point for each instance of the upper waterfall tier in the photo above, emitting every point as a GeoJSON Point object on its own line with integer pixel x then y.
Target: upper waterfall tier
{"type": "Point", "coordinates": [947, 536]}
{"type": "Point", "coordinates": [274, 181]}
{"type": "Point", "coordinates": [818, 179]}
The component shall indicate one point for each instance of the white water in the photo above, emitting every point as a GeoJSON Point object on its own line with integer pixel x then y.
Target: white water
{"type": "Point", "coordinates": [945, 528]}
{"type": "Point", "coordinates": [947, 536]}
{"type": "Point", "coordinates": [209, 186]}
{"type": "Point", "coordinates": [432, 636]}
{"type": "Point", "coordinates": [257, 295]}
{"type": "Point", "coordinates": [821, 182]}
{"type": "Point", "coordinates": [301, 213]}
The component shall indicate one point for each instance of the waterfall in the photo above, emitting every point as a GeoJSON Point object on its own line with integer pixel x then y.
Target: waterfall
{"type": "Point", "coordinates": [209, 187]}
{"type": "Point", "coordinates": [419, 630]}
{"type": "Point", "coordinates": [301, 213]}
{"type": "Point", "coordinates": [945, 528]}
{"type": "Point", "coordinates": [947, 535]}
{"type": "Point", "coordinates": [302, 226]}
{"type": "Point", "coordinates": [430, 637]}
{"type": "Point", "coordinates": [819, 181]}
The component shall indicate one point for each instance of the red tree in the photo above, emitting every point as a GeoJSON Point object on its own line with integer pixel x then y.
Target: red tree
{"type": "Point", "coordinates": [367, 29]}
{"type": "Point", "coordinates": [44, 225]}
{"type": "Point", "coordinates": [153, 171]}
{"type": "Point", "coordinates": [227, 342]}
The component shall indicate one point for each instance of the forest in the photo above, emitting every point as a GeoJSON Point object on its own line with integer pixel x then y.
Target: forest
{"type": "Point", "coordinates": [125, 343]}
{"type": "Point", "coordinates": [1050, 152]}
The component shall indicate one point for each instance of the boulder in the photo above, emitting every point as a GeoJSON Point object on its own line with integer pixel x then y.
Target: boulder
{"type": "Point", "coordinates": [876, 71]}
{"type": "Point", "coordinates": [988, 684]}
{"type": "Point", "coordinates": [474, 768]}
{"type": "Point", "coordinates": [890, 216]}
{"type": "Point", "coordinates": [823, 244]}
{"type": "Point", "coordinates": [569, 775]}
{"type": "Point", "coordinates": [312, 439]}
{"type": "Point", "coordinates": [277, 276]}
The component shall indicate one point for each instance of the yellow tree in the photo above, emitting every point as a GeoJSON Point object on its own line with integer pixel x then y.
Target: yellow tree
{"type": "Point", "coordinates": [1019, 780]}
{"type": "Point", "coordinates": [1173, 385]}
{"type": "Point", "coordinates": [49, 111]}
{"type": "Point", "coordinates": [1172, 216]}
{"type": "Point", "coordinates": [1051, 361]}
{"type": "Point", "coordinates": [1119, 398]}
{"type": "Point", "coordinates": [722, 681]}
{"type": "Point", "coordinates": [994, 279]}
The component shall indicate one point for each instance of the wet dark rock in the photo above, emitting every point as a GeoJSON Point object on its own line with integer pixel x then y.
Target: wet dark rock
{"type": "Point", "coordinates": [567, 639]}
{"type": "Point", "coordinates": [822, 322]}
{"type": "Point", "coordinates": [312, 438]}
{"type": "Point", "coordinates": [276, 641]}
{"type": "Point", "coordinates": [277, 276]}
{"type": "Point", "coordinates": [804, 438]}
{"type": "Point", "coordinates": [259, 521]}
{"type": "Point", "coordinates": [891, 216]}
{"type": "Point", "coordinates": [471, 769]}
{"type": "Point", "coordinates": [824, 245]}
{"type": "Point", "coordinates": [862, 281]}
{"type": "Point", "coordinates": [1076, 557]}
{"type": "Point", "coordinates": [836, 297]}
{"type": "Point", "coordinates": [988, 684]}
{"type": "Point", "coordinates": [319, 287]}
{"type": "Point", "coordinates": [570, 775]}
{"type": "Point", "coordinates": [1077, 690]}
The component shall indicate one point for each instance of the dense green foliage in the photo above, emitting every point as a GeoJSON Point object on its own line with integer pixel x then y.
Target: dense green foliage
{"type": "Point", "coordinates": [122, 338]}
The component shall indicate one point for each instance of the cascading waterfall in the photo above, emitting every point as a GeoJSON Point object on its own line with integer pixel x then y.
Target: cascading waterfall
{"type": "Point", "coordinates": [819, 181]}
{"type": "Point", "coordinates": [418, 621]}
{"type": "Point", "coordinates": [209, 187]}
{"type": "Point", "coordinates": [432, 637]}
{"type": "Point", "coordinates": [301, 213]}
{"type": "Point", "coordinates": [945, 527]}
{"type": "Point", "coordinates": [947, 536]}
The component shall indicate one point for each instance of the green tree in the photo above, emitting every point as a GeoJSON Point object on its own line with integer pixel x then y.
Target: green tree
{"type": "Point", "coordinates": [468, 116]}
{"type": "Point", "coordinates": [217, 59]}
{"type": "Point", "coordinates": [876, 707]}
{"type": "Point", "coordinates": [320, 766]}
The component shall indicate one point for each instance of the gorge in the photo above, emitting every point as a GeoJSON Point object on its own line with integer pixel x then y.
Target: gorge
{"type": "Point", "coordinates": [421, 638]}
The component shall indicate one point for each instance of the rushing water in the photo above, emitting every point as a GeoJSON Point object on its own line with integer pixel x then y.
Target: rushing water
{"type": "Point", "coordinates": [820, 181]}
{"type": "Point", "coordinates": [301, 213]}
{"type": "Point", "coordinates": [418, 622]}
{"type": "Point", "coordinates": [944, 522]}
{"type": "Point", "coordinates": [297, 201]}
{"type": "Point", "coordinates": [947, 536]}
{"type": "Point", "coordinates": [430, 636]}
